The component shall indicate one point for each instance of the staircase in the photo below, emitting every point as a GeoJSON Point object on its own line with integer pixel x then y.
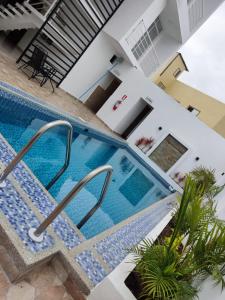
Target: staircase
{"type": "Point", "coordinates": [25, 15]}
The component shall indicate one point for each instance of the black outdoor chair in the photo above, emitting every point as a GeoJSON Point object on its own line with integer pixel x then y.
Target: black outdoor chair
{"type": "Point", "coordinates": [36, 62]}
{"type": "Point", "coordinates": [48, 73]}
{"type": "Point", "coordinates": [41, 68]}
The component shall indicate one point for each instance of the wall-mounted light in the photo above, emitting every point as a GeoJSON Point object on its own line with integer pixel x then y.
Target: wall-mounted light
{"type": "Point", "coordinates": [116, 60]}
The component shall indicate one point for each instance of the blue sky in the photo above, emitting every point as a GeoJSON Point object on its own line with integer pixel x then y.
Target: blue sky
{"type": "Point", "coordinates": [204, 54]}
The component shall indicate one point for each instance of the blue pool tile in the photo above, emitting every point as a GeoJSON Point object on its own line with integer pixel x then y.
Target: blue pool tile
{"type": "Point", "coordinates": [115, 247]}
{"type": "Point", "coordinates": [91, 266]}
{"type": "Point", "coordinates": [38, 197]}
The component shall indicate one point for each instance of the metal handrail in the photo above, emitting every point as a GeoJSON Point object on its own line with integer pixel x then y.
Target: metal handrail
{"type": "Point", "coordinates": [37, 135]}
{"type": "Point", "coordinates": [37, 234]}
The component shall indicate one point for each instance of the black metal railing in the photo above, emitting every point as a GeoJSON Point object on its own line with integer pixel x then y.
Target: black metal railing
{"type": "Point", "coordinates": [68, 31]}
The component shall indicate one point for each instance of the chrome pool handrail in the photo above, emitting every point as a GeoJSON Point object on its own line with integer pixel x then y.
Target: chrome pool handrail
{"type": "Point", "coordinates": [29, 145]}
{"type": "Point", "coordinates": [37, 234]}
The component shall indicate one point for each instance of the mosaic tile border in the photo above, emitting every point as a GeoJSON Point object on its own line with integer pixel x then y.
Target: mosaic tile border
{"type": "Point", "coordinates": [107, 253]}
{"type": "Point", "coordinates": [51, 113]}
{"type": "Point", "coordinates": [91, 266]}
{"type": "Point", "coordinates": [115, 247]}
{"type": "Point", "coordinates": [21, 218]}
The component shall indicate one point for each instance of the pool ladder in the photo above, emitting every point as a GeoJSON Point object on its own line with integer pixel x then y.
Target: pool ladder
{"type": "Point", "coordinates": [37, 234]}
{"type": "Point", "coordinates": [29, 145]}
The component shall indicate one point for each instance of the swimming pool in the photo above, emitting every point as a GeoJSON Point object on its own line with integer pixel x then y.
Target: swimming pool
{"type": "Point", "coordinates": [134, 185]}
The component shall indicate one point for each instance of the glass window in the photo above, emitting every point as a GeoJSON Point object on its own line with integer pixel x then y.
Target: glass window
{"type": "Point", "coordinates": [177, 72]}
{"type": "Point", "coordinates": [145, 42]}
{"type": "Point", "coordinates": [193, 110]}
{"type": "Point", "coordinates": [168, 153]}
{"type": "Point", "coordinates": [153, 33]}
{"type": "Point", "coordinates": [161, 85]}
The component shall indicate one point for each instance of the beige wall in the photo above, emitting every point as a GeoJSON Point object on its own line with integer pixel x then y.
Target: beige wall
{"type": "Point", "coordinates": [220, 127]}
{"type": "Point", "coordinates": [166, 74]}
{"type": "Point", "coordinates": [211, 111]}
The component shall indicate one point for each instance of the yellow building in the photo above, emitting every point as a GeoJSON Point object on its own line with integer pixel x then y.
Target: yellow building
{"type": "Point", "coordinates": [206, 108]}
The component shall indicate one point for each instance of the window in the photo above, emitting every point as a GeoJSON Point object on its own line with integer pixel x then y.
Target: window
{"type": "Point", "coordinates": [145, 41]}
{"type": "Point", "coordinates": [177, 72]}
{"type": "Point", "coordinates": [161, 85]}
{"type": "Point", "coordinates": [193, 110]}
{"type": "Point", "coordinates": [168, 153]}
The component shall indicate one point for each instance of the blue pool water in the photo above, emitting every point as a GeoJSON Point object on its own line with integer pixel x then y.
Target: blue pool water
{"type": "Point", "coordinates": [133, 188]}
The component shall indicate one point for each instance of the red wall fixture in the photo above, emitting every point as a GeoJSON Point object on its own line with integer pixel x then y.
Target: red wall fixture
{"type": "Point", "coordinates": [119, 102]}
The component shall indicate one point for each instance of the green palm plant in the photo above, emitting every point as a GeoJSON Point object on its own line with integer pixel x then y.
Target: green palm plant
{"type": "Point", "coordinates": [190, 193]}
{"type": "Point", "coordinates": [159, 266]}
{"type": "Point", "coordinates": [166, 271]}
{"type": "Point", "coordinates": [209, 252]}
{"type": "Point", "coordinates": [198, 216]}
{"type": "Point", "coordinates": [160, 273]}
{"type": "Point", "coordinates": [205, 245]}
{"type": "Point", "coordinates": [206, 181]}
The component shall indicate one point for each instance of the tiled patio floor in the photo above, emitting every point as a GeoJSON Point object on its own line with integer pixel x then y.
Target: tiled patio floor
{"type": "Point", "coordinates": [42, 285]}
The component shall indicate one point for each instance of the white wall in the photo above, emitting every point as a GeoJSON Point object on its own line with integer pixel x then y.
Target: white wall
{"type": "Point", "coordinates": [170, 20]}
{"type": "Point", "coordinates": [92, 66]}
{"type": "Point", "coordinates": [127, 17]}
{"type": "Point", "coordinates": [133, 113]}
{"type": "Point", "coordinates": [126, 20]}
{"type": "Point", "coordinates": [200, 139]}
{"type": "Point", "coordinates": [209, 7]}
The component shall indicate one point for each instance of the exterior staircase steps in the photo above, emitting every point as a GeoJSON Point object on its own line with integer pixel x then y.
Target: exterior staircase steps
{"type": "Point", "coordinates": [20, 16]}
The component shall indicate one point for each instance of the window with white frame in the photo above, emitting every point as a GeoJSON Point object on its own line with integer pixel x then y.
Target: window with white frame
{"type": "Point", "coordinates": [193, 110]}
{"type": "Point", "coordinates": [145, 42]}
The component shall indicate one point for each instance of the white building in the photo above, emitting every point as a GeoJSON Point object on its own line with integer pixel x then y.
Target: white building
{"type": "Point", "coordinates": [82, 36]}
{"type": "Point", "coordinates": [144, 33]}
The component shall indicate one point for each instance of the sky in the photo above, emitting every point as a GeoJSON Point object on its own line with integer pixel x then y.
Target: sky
{"type": "Point", "coordinates": [204, 54]}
